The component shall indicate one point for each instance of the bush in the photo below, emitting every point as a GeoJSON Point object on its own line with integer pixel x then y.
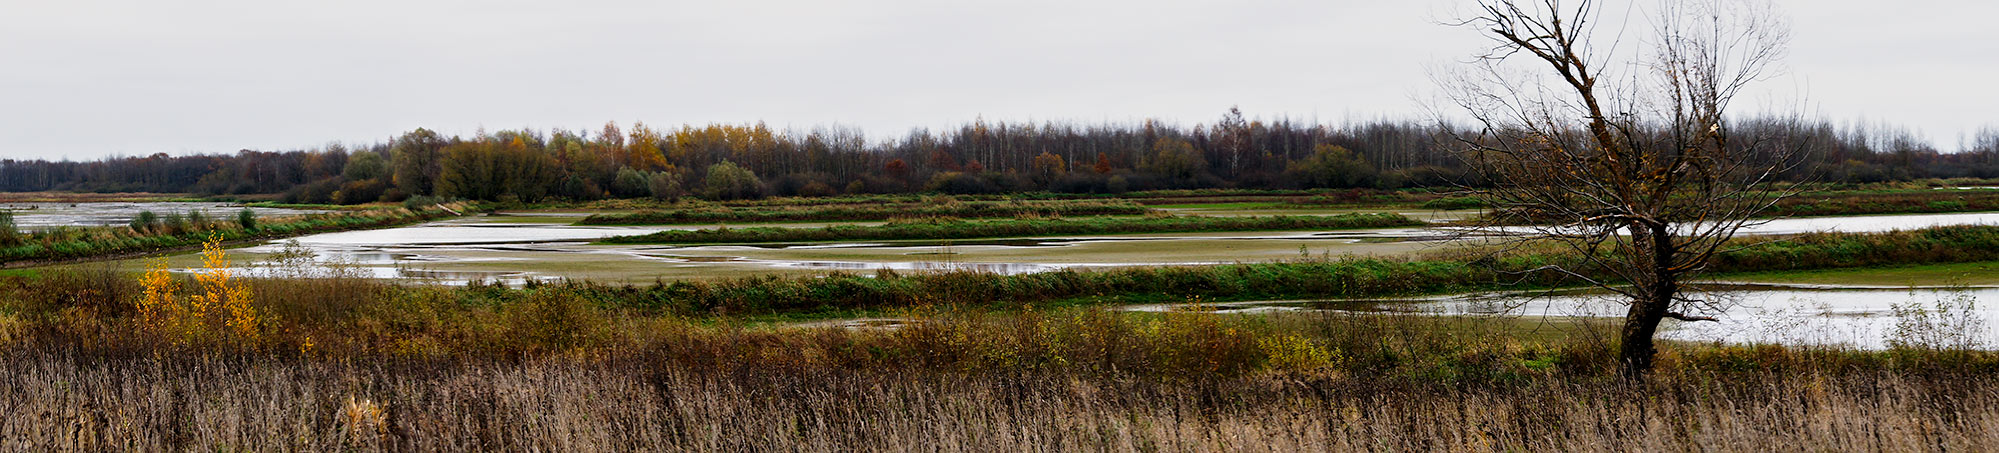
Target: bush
{"type": "Point", "coordinates": [175, 223]}
{"type": "Point", "coordinates": [247, 219]}
{"type": "Point", "coordinates": [197, 220]}
{"type": "Point", "coordinates": [145, 222]}
{"type": "Point", "coordinates": [10, 234]}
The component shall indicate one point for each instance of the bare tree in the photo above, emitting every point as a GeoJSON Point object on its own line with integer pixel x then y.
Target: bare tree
{"type": "Point", "coordinates": [1619, 148]}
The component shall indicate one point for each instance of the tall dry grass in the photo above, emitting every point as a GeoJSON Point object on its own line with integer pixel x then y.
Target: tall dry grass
{"type": "Point", "coordinates": [193, 403]}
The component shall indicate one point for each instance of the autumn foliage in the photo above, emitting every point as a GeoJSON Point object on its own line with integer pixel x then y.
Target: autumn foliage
{"type": "Point", "coordinates": [216, 306]}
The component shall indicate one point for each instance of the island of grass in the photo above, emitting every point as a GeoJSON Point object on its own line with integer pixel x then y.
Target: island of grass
{"type": "Point", "coordinates": [952, 228]}
{"type": "Point", "coordinates": [868, 211]}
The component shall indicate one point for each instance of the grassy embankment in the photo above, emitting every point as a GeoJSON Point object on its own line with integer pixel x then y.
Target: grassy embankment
{"type": "Point", "coordinates": [951, 228]}
{"type": "Point", "coordinates": [1834, 202]}
{"type": "Point", "coordinates": [1919, 201]}
{"type": "Point", "coordinates": [866, 211]}
{"type": "Point", "coordinates": [100, 362]}
{"type": "Point", "coordinates": [184, 231]}
{"type": "Point", "coordinates": [1980, 273]}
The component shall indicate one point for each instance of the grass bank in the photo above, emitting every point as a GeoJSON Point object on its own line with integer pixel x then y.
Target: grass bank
{"type": "Point", "coordinates": [951, 228]}
{"type": "Point", "coordinates": [1920, 201]}
{"type": "Point", "coordinates": [1938, 274]}
{"type": "Point", "coordinates": [75, 243]}
{"type": "Point", "coordinates": [946, 208]}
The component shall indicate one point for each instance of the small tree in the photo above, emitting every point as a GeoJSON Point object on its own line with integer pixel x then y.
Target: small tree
{"type": "Point", "coordinates": [218, 303]}
{"type": "Point", "coordinates": [1048, 166]}
{"type": "Point", "coordinates": [1624, 156]}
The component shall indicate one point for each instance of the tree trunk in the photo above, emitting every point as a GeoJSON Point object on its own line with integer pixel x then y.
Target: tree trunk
{"type": "Point", "coordinates": [1654, 301]}
{"type": "Point", "coordinates": [1635, 348]}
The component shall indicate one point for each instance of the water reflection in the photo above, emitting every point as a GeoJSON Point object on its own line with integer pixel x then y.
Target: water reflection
{"type": "Point", "coordinates": [467, 240]}
{"type": "Point", "coordinates": [1862, 317]}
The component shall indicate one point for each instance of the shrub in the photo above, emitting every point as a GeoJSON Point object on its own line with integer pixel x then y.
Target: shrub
{"type": "Point", "coordinates": [247, 219]}
{"type": "Point", "coordinates": [175, 223]}
{"type": "Point", "coordinates": [197, 220]}
{"type": "Point", "coordinates": [219, 305]}
{"type": "Point", "coordinates": [1951, 323]}
{"type": "Point", "coordinates": [145, 222]}
{"type": "Point", "coordinates": [10, 235]}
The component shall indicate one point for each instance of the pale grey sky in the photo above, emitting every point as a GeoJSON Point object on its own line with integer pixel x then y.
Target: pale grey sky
{"type": "Point", "coordinates": [83, 79]}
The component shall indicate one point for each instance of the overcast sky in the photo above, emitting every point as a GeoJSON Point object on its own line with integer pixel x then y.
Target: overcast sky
{"type": "Point", "coordinates": [83, 79]}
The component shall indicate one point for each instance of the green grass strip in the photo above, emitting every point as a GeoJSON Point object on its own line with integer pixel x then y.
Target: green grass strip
{"type": "Point", "coordinates": [970, 229]}
{"type": "Point", "coordinates": [868, 212]}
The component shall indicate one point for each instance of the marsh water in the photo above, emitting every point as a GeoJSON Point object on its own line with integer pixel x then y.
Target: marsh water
{"type": "Point", "coordinates": [526, 247]}
{"type": "Point", "coordinates": [513, 248]}
{"type": "Point", "coordinates": [1861, 317]}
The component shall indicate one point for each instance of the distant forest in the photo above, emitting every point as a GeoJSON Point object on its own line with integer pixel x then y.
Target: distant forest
{"type": "Point", "coordinates": [748, 161]}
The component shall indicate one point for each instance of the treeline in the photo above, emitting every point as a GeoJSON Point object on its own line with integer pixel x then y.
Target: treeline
{"type": "Point", "coordinates": [751, 161]}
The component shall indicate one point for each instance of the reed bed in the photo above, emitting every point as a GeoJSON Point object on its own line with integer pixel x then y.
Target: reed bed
{"type": "Point", "coordinates": [1707, 398]}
